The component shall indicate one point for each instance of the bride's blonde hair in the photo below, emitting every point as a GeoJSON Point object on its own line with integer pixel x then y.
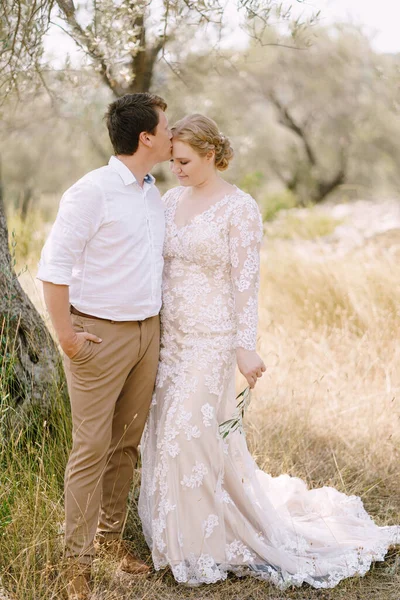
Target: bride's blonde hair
{"type": "Point", "coordinates": [203, 135]}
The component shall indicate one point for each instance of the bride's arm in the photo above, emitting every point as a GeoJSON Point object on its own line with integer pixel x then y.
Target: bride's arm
{"type": "Point", "coordinates": [245, 237]}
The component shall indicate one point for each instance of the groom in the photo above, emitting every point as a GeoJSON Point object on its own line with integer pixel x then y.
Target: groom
{"type": "Point", "coordinates": [101, 269]}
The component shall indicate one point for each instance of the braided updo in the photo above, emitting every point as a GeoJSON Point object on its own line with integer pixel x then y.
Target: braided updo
{"type": "Point", "coordinates": [202, 134]}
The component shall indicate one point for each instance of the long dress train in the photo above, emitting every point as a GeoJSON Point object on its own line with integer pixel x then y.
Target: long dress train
{"type": "Point", "coordinates": [205, 506]}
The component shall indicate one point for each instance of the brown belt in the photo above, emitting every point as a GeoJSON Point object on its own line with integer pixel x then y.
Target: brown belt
{"type": "Point", "coordinates": [77, 312]}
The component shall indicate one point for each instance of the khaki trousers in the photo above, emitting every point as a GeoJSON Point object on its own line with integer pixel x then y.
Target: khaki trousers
{"type": "Point", "coordinates": [110, 386]}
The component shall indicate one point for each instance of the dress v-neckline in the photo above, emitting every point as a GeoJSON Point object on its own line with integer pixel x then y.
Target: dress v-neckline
{"type": "Point", "coordinates": [213, 206]}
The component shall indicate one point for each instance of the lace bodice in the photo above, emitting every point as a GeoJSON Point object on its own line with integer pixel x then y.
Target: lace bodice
{"type": "Point", "coordinates": [213, 261]}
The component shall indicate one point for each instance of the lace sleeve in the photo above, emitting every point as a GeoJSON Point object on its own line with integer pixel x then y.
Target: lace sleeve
{"type": "Point", "coordinates": [170, 195]}
{"type": "Point", "coordinates": [245, 235]}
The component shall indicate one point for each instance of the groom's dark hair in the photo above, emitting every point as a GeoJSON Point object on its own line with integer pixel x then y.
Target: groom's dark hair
{"type": "Point", "coordinates": [128, 116]}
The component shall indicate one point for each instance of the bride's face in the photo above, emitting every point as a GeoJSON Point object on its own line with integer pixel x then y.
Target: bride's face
{"type": "Point", "coordinates": [189, 167]}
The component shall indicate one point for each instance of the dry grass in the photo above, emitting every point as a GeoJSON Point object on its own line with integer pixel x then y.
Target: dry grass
{"type": "Point", "coordinates": [327, 410]}
{"type": "Point", "coordinates": [305, 225]}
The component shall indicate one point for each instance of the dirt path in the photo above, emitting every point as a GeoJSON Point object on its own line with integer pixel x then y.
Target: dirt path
{"type": "Point", "coordinates": [359, 223]}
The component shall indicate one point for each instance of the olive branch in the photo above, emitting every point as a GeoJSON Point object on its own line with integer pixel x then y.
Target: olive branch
{"type": "Point", "coordinates": [236, 422]}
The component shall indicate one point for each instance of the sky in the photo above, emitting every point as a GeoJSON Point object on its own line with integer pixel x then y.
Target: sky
{"type": "Point", "coordinates": [379, 20]}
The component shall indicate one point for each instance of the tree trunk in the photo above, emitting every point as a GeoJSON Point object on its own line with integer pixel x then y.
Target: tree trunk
{"type": "Point", "coordinates": [307, 181]}
{"type": "Point", "coordinates": [30, 363]}
{"type": "Point", "coordinates": [27, 194]}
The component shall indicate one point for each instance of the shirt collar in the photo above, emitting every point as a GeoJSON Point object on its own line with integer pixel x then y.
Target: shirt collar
{"type": "Point", "coordinates": [126, 174]}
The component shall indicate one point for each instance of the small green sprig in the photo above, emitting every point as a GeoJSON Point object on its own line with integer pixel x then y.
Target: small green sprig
{"type": "Point", "coordinates": [236, 422]}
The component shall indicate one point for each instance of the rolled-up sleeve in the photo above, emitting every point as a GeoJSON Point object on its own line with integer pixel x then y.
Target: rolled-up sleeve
{"type": "Point", "coordinates": [80, 215]}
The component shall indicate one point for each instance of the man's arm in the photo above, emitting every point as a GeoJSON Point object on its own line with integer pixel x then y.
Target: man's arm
{"type": "Point", "coordinates": [57, 302]}
{"type": "Point", "coordinates": [79, 217]}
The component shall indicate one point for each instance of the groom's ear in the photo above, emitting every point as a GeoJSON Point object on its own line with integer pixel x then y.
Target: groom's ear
{"type": "Point", "coordinates": [145, 138]}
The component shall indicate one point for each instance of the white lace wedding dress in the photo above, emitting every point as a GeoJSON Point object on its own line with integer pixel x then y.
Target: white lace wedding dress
{"type": "Point", "coordinates": [205, 507]}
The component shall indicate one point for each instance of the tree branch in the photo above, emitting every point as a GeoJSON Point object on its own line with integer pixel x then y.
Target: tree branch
{"type": "Point", "coordinates": [288, 120]}
{"type": "Point", "coordinates": [327, 186]}
{"type": "Point", "coordinates": [83, 39]}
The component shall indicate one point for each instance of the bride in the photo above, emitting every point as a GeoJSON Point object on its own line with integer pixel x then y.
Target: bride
{"type": "Point", "coordinates": [205, 507]}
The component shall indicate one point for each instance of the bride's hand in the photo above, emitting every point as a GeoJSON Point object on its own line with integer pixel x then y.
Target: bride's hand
{"type": "Point", "coordinates": [250, 365]}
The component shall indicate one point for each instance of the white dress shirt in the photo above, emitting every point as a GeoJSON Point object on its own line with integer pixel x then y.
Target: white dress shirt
{"type": "Point", "coordinates": [106, 245]}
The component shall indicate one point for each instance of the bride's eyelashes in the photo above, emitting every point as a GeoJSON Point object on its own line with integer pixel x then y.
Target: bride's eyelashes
{"type": "Point", "coordinates": [181, 162]}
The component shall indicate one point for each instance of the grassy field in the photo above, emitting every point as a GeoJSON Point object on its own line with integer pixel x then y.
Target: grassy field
{"type": "Point", "coordinates": [327, 410]}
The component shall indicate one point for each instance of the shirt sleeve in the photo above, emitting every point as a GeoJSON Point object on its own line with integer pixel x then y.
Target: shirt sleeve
{"type": "Point", "coordinates": [245, 236]}
{"type": "Point", "coordinates": [80, 215]}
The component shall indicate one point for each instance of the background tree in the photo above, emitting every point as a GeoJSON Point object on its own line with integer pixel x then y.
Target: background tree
{"type": "Point", "coordinates": [125, 40]}
{"type": "Point", "coordinates": [23, 23]}
{"type": "Point", "coordinates": [325, 115]}
{"type": "Point", "coordinates": [29, 360]}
